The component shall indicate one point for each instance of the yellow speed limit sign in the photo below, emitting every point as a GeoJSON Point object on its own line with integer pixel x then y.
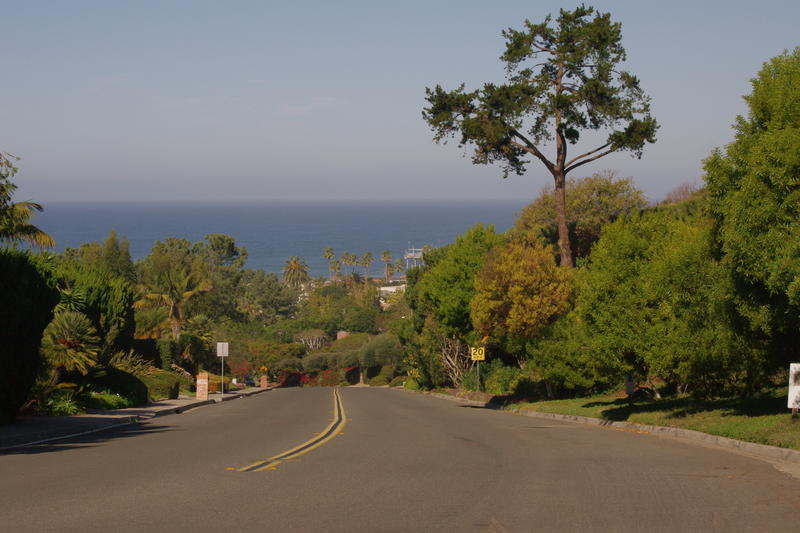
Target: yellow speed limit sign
{"type": "Point", "coordinates": [478, 354]}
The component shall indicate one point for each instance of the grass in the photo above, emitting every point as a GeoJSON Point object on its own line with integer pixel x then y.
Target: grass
{"type": "Point", "coordinates": [763, 419]}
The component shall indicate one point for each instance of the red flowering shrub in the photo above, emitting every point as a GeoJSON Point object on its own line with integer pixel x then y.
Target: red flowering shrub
{"type": "Point", "coordinates": [329, 378]}
{"type": "Point", "coordinates": [309, 379]}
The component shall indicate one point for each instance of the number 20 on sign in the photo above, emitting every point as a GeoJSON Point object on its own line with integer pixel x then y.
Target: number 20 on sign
{"type": "Point", "coordinates": [478, 354]}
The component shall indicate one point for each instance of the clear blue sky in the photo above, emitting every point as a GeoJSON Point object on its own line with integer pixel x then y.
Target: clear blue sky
{"type": "Point", "coordinates": [235, 100]}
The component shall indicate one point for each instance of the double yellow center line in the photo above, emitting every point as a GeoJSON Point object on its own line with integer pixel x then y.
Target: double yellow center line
{"type": "Point", "coordinates": [333, 429]}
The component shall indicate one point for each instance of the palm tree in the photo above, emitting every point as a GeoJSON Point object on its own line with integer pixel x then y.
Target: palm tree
{"type": "Point", "coordinates": [399, 266]}
{"type": "Point", "coordinates": [295, 272]}
{"type": "Point", "coordinates": [70, 342]}
{"type": "Point", "coordinates": [366, 262]}
{"type": "Point", "coordinates": [171, 290]}
{"type": "Point", "coordinates": [15, 217]}
{"type": "Point", "coordinates": [347, 259]}
{"type": "Point", "coordinates": [336, 268]}
{"type": "Point", "coordinates": [386, 258]}
{"type": "Point", "coordinates": [329, 256]}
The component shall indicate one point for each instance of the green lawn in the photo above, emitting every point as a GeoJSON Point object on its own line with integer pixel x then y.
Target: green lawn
{"type": "Point", "coordinates": [764, 419]}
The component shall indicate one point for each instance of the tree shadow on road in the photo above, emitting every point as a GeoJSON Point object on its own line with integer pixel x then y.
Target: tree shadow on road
{"type": "Point", "coordinates": [88, 440]}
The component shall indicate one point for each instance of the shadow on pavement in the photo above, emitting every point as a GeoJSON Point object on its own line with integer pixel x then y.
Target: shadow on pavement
{"type": "Point", "coordinates": [82, 441]}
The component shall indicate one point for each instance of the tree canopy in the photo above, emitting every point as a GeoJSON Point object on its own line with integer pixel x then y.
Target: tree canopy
{"type": "Point", "coordinates": [755, 199]}
{"type": "Point", "coordinates": [562, 79]}
{"type": "Point", "coordinates": [591, 202]}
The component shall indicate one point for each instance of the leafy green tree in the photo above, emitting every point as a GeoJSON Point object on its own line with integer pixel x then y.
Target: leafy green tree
{"type": "Point", "coordinates": [15, 217]}
{"type": "Point", "coordinates": [295, 272]}
{"type": "Point", "coordinates": [653, 302]}
{"type": "Point", "coordinates": [440, 293]}
{"type": "Point", "coordinates": [222, 262]}
{"type": "Point", "coordinates": [591, 202]}
{"type": "Point", "coordinates": [519, 290]}
{"type": "Point", "coordinates": [113, 255]}
{"type": "Point", "coordinates": [171, 277]}
{"type": "Point", "coordinates": [754, 199]}
{"type": "Point", "coordinates": [263, 298]}
{"type": "Point", "coordinates": [562, 79]}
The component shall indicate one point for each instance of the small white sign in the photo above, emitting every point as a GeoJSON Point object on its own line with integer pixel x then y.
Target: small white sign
{"type": "Point", "coordinates": [794, 386]}
{"type": "Point", "coordinates": [222, 349]}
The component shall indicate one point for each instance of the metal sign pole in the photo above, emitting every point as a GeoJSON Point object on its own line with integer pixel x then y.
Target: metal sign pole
{"type": "Point", "coordinates": [222, 353]}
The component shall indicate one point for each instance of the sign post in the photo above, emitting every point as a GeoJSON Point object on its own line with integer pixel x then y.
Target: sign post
{"type": "Point", "coordinates": [794, 389]}
{"type": "Point", "coordinates": [222, 352]}
{"type": "Point", "coordinates": [478, 354]}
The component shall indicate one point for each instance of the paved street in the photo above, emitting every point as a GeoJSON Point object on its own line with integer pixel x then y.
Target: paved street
{"type": "Point", "coordinates": [402, 462]}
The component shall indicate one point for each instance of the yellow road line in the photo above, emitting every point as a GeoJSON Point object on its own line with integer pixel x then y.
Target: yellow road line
{"type": "Point", "coordinates": [333, 429]}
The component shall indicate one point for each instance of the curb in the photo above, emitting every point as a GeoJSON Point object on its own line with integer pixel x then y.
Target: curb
{"type": "Point", "coordinates": [760, 451]}
{"type": "Point", "coordinates": [133, 419]}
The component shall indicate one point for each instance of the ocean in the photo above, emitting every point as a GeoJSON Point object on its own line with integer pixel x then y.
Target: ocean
{"type": "Point", "coordinates": [272, 232]}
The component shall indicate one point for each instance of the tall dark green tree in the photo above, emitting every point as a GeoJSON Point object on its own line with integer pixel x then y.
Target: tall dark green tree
{"type": "Point", "coordinates": [563, 78]}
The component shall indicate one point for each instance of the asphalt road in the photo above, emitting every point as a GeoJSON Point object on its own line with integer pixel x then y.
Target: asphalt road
{"type": "Point", "coordinates": [402, 462]}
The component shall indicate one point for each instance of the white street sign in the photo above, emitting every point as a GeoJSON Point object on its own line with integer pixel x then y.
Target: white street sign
{"type": "Point", "coordinates": [794, 386]}
{"type": "Point", "coordinates": [222, 349]}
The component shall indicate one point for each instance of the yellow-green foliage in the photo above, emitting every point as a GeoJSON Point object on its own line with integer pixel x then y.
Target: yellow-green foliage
{"type": "Point", "coordinates": [519, 290]}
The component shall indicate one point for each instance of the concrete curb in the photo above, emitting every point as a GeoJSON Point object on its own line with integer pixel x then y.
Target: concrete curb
{"type": "Point", "coordinates": [133, 419]}
{"type": "Point", "coordinates": [760, 451]}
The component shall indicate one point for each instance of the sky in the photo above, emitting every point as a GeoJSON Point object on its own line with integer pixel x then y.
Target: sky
{"type": "Point", "coordinates": [264, 101]}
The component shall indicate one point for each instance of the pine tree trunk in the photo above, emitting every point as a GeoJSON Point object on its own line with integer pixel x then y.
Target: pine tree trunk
{"type": "Point", "coordinates": [564, 246]}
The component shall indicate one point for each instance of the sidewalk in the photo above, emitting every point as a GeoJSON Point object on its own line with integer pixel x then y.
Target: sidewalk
{"type": "Point", "coordinates": [30, 430]}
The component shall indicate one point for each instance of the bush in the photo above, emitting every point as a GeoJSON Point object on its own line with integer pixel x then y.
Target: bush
{"type": "Point", "coordinates": [398, 381]}
{"type": "Point", "coordinates": [27, 298]}
{"type": "Point", "coordinates": [345, 359]}
{"type": "Point", "coordinates": [381, 350]}
{"type": "Point", "coordinates": [501, 380]}
{"type": "Point", "coordinates": [107, 400]}
{"type": "Point", "coordinates": [315, 362]}
{"type": "Point", "coordinates": [164, 385]}
{"type": "Point", "coordinates": [117, 381]}
{"type": "Point", "coordinates": [470, 381]}
{"type": "Point", "coordinates": [63, 403]}
{"type": "Point", "coordinates": [309, 379]}
{"type": "Point", "coordinates": [383, 377]}
{"type": "Point", "coordinates": [290, 364]}
{"type": "Point", "coordinates": [411, 384]}
{"type": "Point", "coordinates": [166, 352]}
{"type": "Point", "coordinates": [329, 378]}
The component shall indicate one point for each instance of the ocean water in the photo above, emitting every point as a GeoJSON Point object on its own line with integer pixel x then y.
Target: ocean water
{"type": "Point", "coordinates": [272, 232]}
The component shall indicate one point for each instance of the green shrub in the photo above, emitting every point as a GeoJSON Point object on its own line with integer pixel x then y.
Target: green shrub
{"type": "Point", "coordinates": [411, 384]}
{"type": "Point", "coordinates": [166, 352]}
{"type": "Point", "coordinates": [470, 381]}
{"type": "Point", "coordinates": [27, 298]}
{"type": "Point", "coordinates": [384, 376]}
{"type": "Point", "coordinates": [315, 362]}
{"type": "Point", "coordinates": [107, 400]}
{"type": "Point", "coordinates": [502, 380]}
{"type": "Point", "coordinates": [163, 385]}
{"type": "Point", "coordinates": [63, 403]}
{"type": "Point", "coordinates": [351, 342]}
{"type": "Point", "coordinates": [398, 381]}
{"type": "Point", "coordinates": [116, 381]}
